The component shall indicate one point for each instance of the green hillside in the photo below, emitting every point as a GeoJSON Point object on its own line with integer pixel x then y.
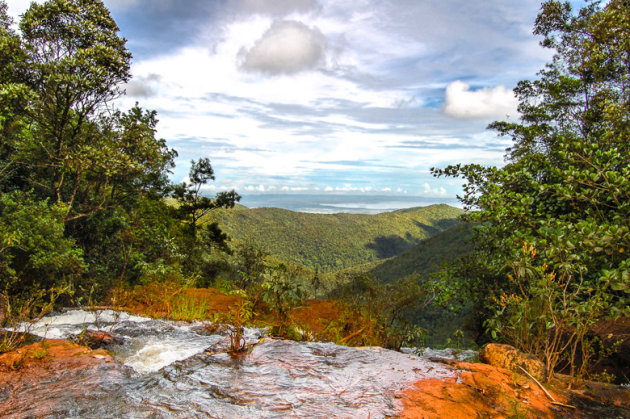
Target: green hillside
{"type": "Point", "coordinates": [426, 257]}
{"type": "Point", "coordinates": [331, 242]}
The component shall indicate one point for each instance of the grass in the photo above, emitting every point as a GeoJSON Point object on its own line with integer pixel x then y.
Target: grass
{"type": "Point", "coordinates": [189, 309]}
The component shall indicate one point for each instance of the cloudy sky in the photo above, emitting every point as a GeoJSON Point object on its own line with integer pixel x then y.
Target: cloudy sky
{"type": "Point", "coordinates": [326, 96]}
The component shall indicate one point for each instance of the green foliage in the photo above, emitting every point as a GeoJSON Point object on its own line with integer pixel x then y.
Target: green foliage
{"type": "Point", "coordinates": [391, 307]}
{"type": "Point", "coordinates": [193, 205]}
{"type": "Point", "coordinates": [281, 291]}
{"type": "Point", "coordinates": [331, 242]}
{"type": "Point", "coordinates": [428, 256]}
{"type": "Point", "coordinates": [442, 317]}
{"type": "Point", "coordinates": [565, 189]}
{"type": "Point", "coordinates": [549, 315]}
{"type": "Point", "coordinates": [189, 309]}
{"type": "Point", "coordinates": [19, 312]}
{"type": "Point", "coordinates": [34, 253]}
{"type": "Point", "coordinates": [83, 184]}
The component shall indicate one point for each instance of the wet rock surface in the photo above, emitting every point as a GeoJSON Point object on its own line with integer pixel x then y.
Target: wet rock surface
{"type": "Point", "coordinates": [57, 378]}
{"type": "Point", "coordinates": [96, 339]}
{"type": "Point", "coordinates": [172, 370]}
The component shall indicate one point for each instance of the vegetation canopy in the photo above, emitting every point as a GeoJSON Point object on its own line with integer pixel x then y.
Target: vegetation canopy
{"type": "Point", "coordinates": [83, 184]}
{"type": "Point", "coordinates": [553, 231]}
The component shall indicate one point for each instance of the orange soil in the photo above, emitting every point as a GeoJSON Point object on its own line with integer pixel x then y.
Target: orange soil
{"type": "Point", "coordinates": [330, 320]}
{"type": "Point", "coordinates": [317, 315]}
{"type": "Point", "coordinates": [215, 300]}
{"type": "Point", "coordinates": [479, 391]}
{"type": "Point", "coordinates": [324, 319]}
{"type": "Point", "coordinates": [156, 300]}
{"type": "Point", "coordinates": [41, 355]}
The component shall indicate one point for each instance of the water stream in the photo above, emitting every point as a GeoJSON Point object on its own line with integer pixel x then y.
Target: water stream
{"type": "Point", "coordinates": [178, 369]}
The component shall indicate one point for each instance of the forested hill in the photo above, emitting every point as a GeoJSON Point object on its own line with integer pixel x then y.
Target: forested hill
{"type": "Point", "coordinates": [330, 242]}
{"type": "Point", "coordinates": [427, 257]}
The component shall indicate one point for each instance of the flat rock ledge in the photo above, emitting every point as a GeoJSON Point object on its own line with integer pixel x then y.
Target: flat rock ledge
{"type": "Point", "coordinates": [45, 378]}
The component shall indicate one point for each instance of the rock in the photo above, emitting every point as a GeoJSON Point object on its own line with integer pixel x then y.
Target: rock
{"type": "Point", "coordinates": [57, 378]}
{"type": "Point", "coordinates": [210, 329]}
{"type": "Point", "coordinates": [95, 339]}
{"type": "Point", "coordinates": [508, 357]}
{"type": "Point", "coordinates": [478, 391]}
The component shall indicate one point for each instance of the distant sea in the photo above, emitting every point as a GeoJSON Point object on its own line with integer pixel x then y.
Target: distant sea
{"type": "Point", "coordinates": [340, 203]}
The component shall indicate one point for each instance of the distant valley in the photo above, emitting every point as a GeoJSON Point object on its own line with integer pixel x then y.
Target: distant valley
{"type": "Point", "coordinates": [332, 242]}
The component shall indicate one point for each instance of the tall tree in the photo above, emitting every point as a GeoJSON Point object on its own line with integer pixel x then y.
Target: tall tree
{"type": "Point", "coordinates": [13, 97]}
{"type": "Point", "coordinates": [192, 204]}
{"type": "Point", "coordinates": [102, 172]}
{"type": "Point", "coordinates": [76, 65]}
{"type": "Point", "coordinates": [565, 190]}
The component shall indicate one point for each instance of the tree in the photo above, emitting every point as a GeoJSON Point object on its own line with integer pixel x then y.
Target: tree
{"type": "Point", "coordinates": [13, 97]}
{"type": "Point", "coordinates": [75, 64]}
{"type": "Point", "coordinates": [564, 193]}
{"type": "Point", "coordinates": [192, 204]}
{"type": "Point", "coordinates": [65, 146]}
{"type": "Point", "coordinates": [33, 250]}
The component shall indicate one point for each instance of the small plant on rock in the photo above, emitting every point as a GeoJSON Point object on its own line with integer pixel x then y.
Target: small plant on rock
{"type": "Point", "coordinates": [238, 317]}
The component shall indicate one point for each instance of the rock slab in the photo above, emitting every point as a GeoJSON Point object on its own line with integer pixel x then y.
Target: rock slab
{"type": "Point", "coordinates": [508, 357]}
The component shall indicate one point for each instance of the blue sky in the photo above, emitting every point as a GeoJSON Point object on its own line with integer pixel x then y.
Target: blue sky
{"type": "Point", "coordinates": [325, 96]}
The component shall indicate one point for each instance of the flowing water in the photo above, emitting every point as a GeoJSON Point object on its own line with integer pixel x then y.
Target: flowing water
{"type": "Point", "coordinates": [182, 370]}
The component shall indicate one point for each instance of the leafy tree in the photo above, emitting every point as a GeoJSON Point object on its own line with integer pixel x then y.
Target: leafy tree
{"type": "Point", "coordinates": [281, 291]}
{"type": "Point", "coordinates": [64, 145]}
{"type": "Point", "coordinates": [565, 190]}
{"type": "Point", "coordinates": [104, 165]}
{"type": "Point", "coordinates": [75, 64]}
{"type": "Point", "coordinates": [192, 204]}
{"type": "Point", "coordinates": [13, 97]}
{"type": "Point", "coordinates": [34, 254]}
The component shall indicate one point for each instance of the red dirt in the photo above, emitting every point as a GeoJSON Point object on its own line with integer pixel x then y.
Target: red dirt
{"type": "Point", "coordinates": [329, 320]}
{"type": "Point", "coordinates": [157, 299]}
{"type": "Point", "coordinates": [316, 315]}
{"type": "Point", "coordinates": [215, 300]}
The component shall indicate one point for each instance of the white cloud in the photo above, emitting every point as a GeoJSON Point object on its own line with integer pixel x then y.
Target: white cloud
{"type": "Point", "coordinates": [254, 188]}
{"type": "Point", "coordinates": [17, 7]}
{"type": "Point", "coordinates": [463, 103]}
{"type": "Point", "coordinates": [288, 47]}
{"type": "Point", "coordinates": [379, 76]}
{"type": "Point", "coordinates": [275, 7]}
{"type": "Point", "coordinates": [142, 86]}
{"type": "Point", "coordinates": [437, 191]}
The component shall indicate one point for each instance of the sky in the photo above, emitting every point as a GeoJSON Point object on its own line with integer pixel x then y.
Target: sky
{"type": "Point", "coordinates": [329, 97]}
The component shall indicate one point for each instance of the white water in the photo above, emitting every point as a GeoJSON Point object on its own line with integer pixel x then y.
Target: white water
{"type": "Point", "coordinates": [149, 344]}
